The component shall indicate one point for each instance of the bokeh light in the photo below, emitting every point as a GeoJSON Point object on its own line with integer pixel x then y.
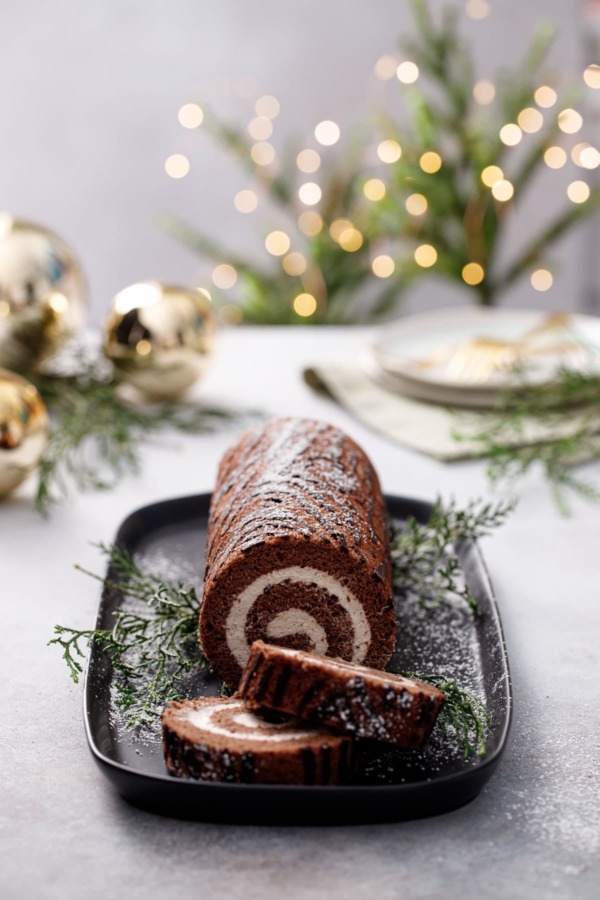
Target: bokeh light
{"type": "Point", "coordinates": [431, 162]}
{"type": "Point", "coordinates": [309, 193]}
{"type": "Point", "coordinates": [267, 106]}
{"type": "Point", "coordinates": [310, 223]}
{"type": "Point", "coordinates": [591, 76]}
{"type": "Point", "coordinates": [224, 276]}
{"type": "Point", "coordinates": [416, 204]}
{"type": "Point", "coordinates": [190, 115]}
{"type": "Point", "coordinates": [383, 266]}
{"type": "Point", "coordinates": [305, 305]}
{"type": "Point", "coordinates": [569, 121]}
{"type": "Point", "coordinates": [327, 133]}
{"type": "Point", "coordinates": [503, 190]}
{"type": "Point", "coordinates": [260, 128]}
{"type": "Point", "coordinates": [578, 192]}
{"type": "Point", "coordinates": [177, 165]}
{"type": "Point", "coordinates": [492, 174]}
{"type": "Point", "coordinates": [374, 189]}
{"type": "Point", "coordinates": [541, 280]}
{"type": "Point", "coordinates": [308, 161]}
{"type": "Point", "coordinates": [484, 92]}
{"type": "Point", "coordinates": [385, 68]}
{"type": "Point", "coordinates": [407, 72]}
{"type": "Point", "coordinates": [277, 243]}
{"type": "Point", "coordinates": [351, 240]}
{"type": "Point", "coordinates": [478, 9]}
{"type": "Point", "coordinates": [294, 264]}
{"type": "Point", "coordinates": [426, 256]}
{"type": "Point", "coordinates": [262, 153]}
{"type": "Point", "coordinates": [530, 120]}
{"type": "Point", "coordinates": [555, 157]}
{"type": "Point", "coordinates": [511, 134]}
{"type": "Point", "coordinates": [473, 273]}
{"type": "Point", "coordinates": [245, 201]}
{"type": "Point", "coordinates": [389, 151]}
{"type": "Point", "coordinates": [545, 96]}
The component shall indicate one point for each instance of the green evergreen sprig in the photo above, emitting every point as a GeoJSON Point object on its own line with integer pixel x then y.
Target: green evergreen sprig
{"type": "Point", "coordinates": [572, 401]}
{"type": "Point", "coordinates": [152, 645]}
{"type": "Point", "coordinates": [463, 716]}
{"type": "Point", "coordinates": [424, 555]}
{"type": "Point", "coordinates": [97, 436]}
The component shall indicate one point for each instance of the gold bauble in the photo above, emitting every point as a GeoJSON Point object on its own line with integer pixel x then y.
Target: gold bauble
{"type": "Point", "coordinates": [160, 337]}
{"type": "Point", "coordinates": [42, 293]}
{"type": "Point", "coordinates": [23, 430]}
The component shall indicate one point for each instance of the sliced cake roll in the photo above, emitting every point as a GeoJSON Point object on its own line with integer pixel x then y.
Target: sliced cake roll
{"type": "Point", "coordinates": [362, 702]}
{"type": "Point", "coordinates": [298, 550]}
{"type": "Point", "coordinates": [220, 739]}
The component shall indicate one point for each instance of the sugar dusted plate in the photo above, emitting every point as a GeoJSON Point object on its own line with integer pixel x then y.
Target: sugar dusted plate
{"type": "Point", "coordinates": [168, 538]}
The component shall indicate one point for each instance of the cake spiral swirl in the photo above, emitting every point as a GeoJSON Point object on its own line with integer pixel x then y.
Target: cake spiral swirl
{"type": "Point", "coordinates": [298, 550]}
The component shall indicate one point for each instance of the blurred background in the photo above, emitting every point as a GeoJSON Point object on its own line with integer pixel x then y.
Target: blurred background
{"type": "Point", "coordinates": [92, 92]}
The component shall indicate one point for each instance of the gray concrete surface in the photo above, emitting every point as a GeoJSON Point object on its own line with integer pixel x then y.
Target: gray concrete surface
{"type": "Point", "coordinates": [533, 833]}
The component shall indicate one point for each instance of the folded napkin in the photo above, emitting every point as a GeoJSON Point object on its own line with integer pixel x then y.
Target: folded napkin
{"type": "Point", "coordinates": [445, 433]}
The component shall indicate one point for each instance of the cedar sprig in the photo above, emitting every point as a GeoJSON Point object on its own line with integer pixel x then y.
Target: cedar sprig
{"type": "Point", "coordinates": [97, 436]}
{"type": "Point", "coordinates": [576, 395]}
{"type": "Point", "coordinates": [153, 643]}
{"type": "Point", "coordinates": [425, 555]}
{"type": "Point", "coordinates": [463, 716]}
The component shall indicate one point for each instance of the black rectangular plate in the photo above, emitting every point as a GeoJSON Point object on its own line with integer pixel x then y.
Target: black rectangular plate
{"type": "Point", "coordinates": [168, 539]}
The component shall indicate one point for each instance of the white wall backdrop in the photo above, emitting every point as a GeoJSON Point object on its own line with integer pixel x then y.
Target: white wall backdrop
{"type": "Point", "coordinates": [88, 113]}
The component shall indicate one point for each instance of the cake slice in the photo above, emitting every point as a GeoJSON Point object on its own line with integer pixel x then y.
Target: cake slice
{"type": "Point", "coordinates": [298, 551]}
{"type": "Point", "coordinates": [221, 739]}
{"type": "Point", "coordinates": [359, 701]}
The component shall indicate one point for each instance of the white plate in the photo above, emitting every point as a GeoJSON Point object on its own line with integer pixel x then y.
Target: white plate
{"type": "Point", "coordinates": [417, 355]}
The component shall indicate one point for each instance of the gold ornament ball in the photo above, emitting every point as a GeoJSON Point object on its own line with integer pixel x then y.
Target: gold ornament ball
{"type": "Point", "coordinates": [23, 430]}
{"type": "Point", "coordinates": [42, 293]}
{"type": "Point", "coordinates": [160, 337]}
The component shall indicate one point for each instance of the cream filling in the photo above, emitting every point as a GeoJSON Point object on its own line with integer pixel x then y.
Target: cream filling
{"type": "Point", "coordinates": [294, 621]}
{"type": "Point", "coordinates": [257, 729]}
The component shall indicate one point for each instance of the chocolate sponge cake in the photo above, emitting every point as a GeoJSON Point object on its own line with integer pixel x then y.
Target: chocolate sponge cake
{"type": "Point", "coordinates": [298, 550]}
{"type": "Point", "coordinates": [219, 739]}
{"type": "Point", "coordinates": [359, 701]}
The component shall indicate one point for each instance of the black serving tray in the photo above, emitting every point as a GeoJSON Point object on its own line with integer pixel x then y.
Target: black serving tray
{"type": "Point", "coordinates": [168, 538]}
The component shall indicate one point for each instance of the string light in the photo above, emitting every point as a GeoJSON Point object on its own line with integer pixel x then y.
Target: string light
{"type": "Point", "coordinates": [484, 92]}
{"type": "Point", "coordinates": [477, 9]}
{"type": "Point", "coordinates": [338, 226]}
{"type": "Point", "coordinates": [374, 189]}
{"type": "Point", "coordinates": [308, 161]}
{"type": "Point", "coordinates": [294, 264]}
{"type": "Point", "coordinates": [530, 120]}
{"type": "Point", "coordinates": [351, 240]}
{"type": "Point", "coordinates": [305, 305]}
{"type": "Point", "coordinates": [190, 115]}
{"type": "Point", "coordinates": [407, 72]}
{"type": "Point", "coordinates": [385, 68]}
{"type": "Point", "coordinates": [177, 165]}
{"type": "Point", "coordinates": [431, 162]}
{"type": "Point", "coordinates": [591, 76]}
{"type": "Point", "coordinates": [473, 273]}
{"type": "Point", "coordinates": [555, 157]}
{"type": "Point", "coordinates": [143, 347]}
{"type": "Point", "coordinates": [260, 128]}
{"type": "Point", "coordinates": [569, 121]}
{"type": "Point", "coordinates": [224, 276]}
{"type": "Point", "coordinates": [310, 223]}
{"type": "Point", "coordinates": [541, 280]}
{"type": "Point", "coordinates": [426, 256]}
{"type": "Point", "coordinates": [545, 96]}
{"type": "Point", "coordinates": [383, 266]}
{"type": "Point", "coordinates": [262, 153]}
{"type": "Point", "coordinates": [277, 243]}
{"type": "Point", "coordinates": [511, 134]}
{"type": "Point", "coordinates": [327, 133]}
{"type": "Point", "coordinates": [389, 151]}
{"type": "Point", "coordinates": [416, 204]}
{"type": "Point", "coordinates": [245, 201]}
{"type": "Point", "coordinates": [578, 192]}
{"type": "Point", "coordinates": [492, 174]}
{"type": "Point", "coordinates": [309, 193]}
{"type": "Point", "coordinates": [503, 190]}
{"type": "Point", "coordinates": [267, 106]}
{"type": "Point", "coordinates": [589, 158]}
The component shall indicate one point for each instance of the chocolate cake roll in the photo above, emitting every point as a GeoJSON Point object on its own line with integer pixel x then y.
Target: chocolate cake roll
{"type": "Point", "coordinates": [298, 550]}
{"type": "Point", "coordinates": [359, 701]}
{"type": "Point", "coordinates": [219, 739]}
